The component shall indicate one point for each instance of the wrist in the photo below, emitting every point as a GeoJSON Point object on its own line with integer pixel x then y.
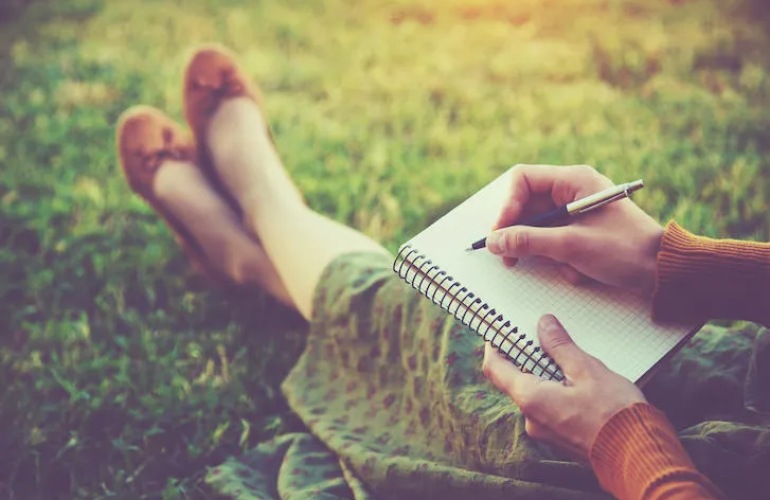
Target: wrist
{"type": "Point", "coordinates": [651, 244]}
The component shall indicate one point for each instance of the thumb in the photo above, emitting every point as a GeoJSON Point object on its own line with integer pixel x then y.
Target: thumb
{"type": "Point", "coordinates": [557, 343]}
{"type": "Point", "coordinates": [521, 241]}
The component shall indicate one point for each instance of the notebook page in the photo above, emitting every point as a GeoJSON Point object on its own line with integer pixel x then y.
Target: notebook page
{"type": "Point", "coordinates": [607, 322]}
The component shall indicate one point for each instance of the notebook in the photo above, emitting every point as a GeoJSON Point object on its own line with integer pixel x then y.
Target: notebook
{"type": "Point", "coordinates": [503, 305]}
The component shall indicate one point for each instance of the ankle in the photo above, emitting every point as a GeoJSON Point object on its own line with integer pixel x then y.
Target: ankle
{"type": "Point", "coordinates": [172, 179]}
{"type": "Point", "coordinates": [259, 209]}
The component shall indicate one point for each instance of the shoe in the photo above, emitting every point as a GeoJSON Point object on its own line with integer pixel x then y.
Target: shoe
{"type": "Point", "coordinates": [212, 76]}
{"type": "Point", "coordinates": [146, 138]}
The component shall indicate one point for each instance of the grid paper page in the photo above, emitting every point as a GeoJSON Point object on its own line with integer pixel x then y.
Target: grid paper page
{"type": "Point", "coordinates": [607, 322]}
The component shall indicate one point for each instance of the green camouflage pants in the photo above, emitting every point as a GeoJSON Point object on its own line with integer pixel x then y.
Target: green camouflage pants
{"type": "Point", "coordinates": [391, 391]}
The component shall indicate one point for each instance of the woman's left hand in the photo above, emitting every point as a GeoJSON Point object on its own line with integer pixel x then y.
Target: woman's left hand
{"type": "Point", "coordinates": [567, 414]}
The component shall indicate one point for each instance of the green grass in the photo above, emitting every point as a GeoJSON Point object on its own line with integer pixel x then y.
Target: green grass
{"type": "Point", "coordinates": [124, 375]}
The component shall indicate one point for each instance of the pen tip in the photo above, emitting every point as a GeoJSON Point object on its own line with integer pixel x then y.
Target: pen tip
{"type": "Point", "coordinates": [469, 249]}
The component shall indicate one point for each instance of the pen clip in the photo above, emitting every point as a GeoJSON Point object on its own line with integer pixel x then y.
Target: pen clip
{"type": "Point", "coordinates": [619, 196]}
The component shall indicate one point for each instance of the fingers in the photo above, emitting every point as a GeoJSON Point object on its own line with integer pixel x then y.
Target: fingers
{"type": "Point", "coordinates": [571, 275]}
{"type": "Point", "coordinates": [510, 261]}
{"type": "Point", "coordinates": [531, 186]}
{"type": "Point", "coordinates": [557, 343]}
{"type": "Point", "coordinates": [557, 243]}
{"type": "Point", "coordinates": [541, 432]}
{"type": "Point", "coordinates": [562, 184]}
{"type": "Point", "coordinates": [505, 376]}
{"type": "Point", "coordinates": [531, 394]}
{"type": "Point", "coordinates": [514, 206]}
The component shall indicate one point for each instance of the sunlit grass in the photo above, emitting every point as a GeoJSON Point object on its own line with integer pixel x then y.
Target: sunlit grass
{"type": "Point", "coordinates": [125, 375]}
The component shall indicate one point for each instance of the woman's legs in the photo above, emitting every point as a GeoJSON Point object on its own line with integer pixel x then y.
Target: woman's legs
{"type": "Point", "coordinates": [182, 188]}
{"type": "Point", "coordinates": [158, 160]}
{"type": "Point", "coordinates": [299, 241]}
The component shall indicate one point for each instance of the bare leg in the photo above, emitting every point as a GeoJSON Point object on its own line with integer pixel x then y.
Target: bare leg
{"type": "Point", "coordinates": [299, 241]}
{"type": "Point", "coordinates": [182, 188]}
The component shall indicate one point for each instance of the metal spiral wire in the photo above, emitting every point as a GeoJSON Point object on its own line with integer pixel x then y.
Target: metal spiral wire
{"type": "Point", "coordinates": [490, 325]}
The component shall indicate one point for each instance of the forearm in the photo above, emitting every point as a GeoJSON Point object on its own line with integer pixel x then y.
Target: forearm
{"type": "Point", "coordinates": [700, 278]}
{"type": "Point", "coordinates": [638, 455]}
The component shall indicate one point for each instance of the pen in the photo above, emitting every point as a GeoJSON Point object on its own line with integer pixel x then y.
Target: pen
{"type": "Point", "coordinates": [573, 208]}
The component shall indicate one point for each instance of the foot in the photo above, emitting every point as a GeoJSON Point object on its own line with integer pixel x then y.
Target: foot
{"type": "Point", "coordinates": [213, 76]}
{"type": "Point", "coordinates": [146, 138]}
{"type": "Point", "coordinates": [225, 112]}
{"type": "Point", "coordinates": [158, 160]}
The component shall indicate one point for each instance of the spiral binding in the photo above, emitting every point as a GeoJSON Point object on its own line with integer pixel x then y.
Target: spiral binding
{"type": "Point", "coordinates": [472, 311]}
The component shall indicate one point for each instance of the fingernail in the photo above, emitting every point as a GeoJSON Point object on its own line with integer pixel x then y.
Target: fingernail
{"type": "Point", "coordinates": [510, 261]}
{"type": "Point", "coordinates": [548, 322]}
{"type": "Point", "coordinates": [494, 243]}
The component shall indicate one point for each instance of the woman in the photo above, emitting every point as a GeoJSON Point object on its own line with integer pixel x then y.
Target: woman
{"type": "Point", "coordinates": [389, 386]}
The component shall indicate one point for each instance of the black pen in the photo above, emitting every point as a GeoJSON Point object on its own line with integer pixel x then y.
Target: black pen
{"type": "Point", "coordinates": [573, 208]}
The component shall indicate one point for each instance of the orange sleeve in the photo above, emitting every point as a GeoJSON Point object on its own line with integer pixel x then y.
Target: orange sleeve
{"type": "Point", "coordinates": [700, 278]}
{"type": "Point", "coordinates": [637, 455]}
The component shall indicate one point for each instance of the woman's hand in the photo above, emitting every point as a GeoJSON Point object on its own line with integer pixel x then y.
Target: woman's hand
{"type": "Point", "coordinates": [570, 414]}
{"type": "Point", "coordinates": [616, 244]}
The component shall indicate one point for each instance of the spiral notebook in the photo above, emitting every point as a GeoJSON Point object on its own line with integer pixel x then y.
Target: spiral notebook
{"type": "Point", "coordinates": [503, 305]}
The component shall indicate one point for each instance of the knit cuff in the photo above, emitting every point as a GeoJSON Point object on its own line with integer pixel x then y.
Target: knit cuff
{"type": "Point", "coordinates": [700, 278]}
{"type": "Point", "coordinates": [636, 449]}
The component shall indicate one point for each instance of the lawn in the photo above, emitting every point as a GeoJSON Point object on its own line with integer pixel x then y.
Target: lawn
{"type": "Point", "coordinates": [125, 375]}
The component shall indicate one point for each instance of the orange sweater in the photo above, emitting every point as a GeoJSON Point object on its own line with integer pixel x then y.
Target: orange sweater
{"type": "Point", "coordinates": [637, 453]}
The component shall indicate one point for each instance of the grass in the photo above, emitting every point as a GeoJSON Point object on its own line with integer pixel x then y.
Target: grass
{"type": "Point", "coordinates": [125, 375]}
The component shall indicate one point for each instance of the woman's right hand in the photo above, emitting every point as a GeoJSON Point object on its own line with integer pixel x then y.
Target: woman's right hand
{"type": "Point", "coordinates": [616, 244]}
